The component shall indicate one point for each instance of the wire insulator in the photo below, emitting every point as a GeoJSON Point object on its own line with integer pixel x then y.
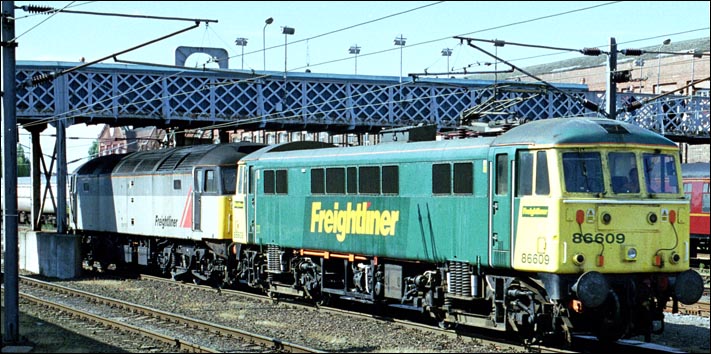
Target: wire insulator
{"type": "Point", "coordinates": [38, 9]}
{"type": "Point", "coordinates": [633, 106]}
{"type": "Point", "coordinates": [591, 106]}
{"type": "Point", "coordinates": [38, 79]}
{"type": "Point", "coordinates": [591, 51]}
{"type": "Point", "coordinates": [631, 52]}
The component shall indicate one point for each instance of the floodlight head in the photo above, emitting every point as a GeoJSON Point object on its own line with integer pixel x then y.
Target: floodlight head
{"type": "Point", "coordinates": [241, 41]}
{"type": "Point", "coordinates": [400, 40]}
{"type": "Point", "coordinates": [269, 21]}
{"type": "Point", "coordinates": [287, 30]}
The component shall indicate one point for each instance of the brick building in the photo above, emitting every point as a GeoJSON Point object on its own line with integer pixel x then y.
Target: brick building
{"type": "Point", "coordinates": [120, 140]}
{"type": "Point", "coordinates": [651, 72]}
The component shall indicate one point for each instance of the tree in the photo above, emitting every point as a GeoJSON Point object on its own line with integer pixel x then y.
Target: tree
{"type": "Point", "coordinates": [23, 163]}
{"type": "Point", "coordinates": [94, 149]}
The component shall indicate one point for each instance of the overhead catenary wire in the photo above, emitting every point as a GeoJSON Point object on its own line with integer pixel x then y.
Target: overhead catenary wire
{"type": "Point", "coordinates": [520, 22]}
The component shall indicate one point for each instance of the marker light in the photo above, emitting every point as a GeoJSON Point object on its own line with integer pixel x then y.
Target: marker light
{"type": "Point", "coordinates": [672, 216]}
{"type": "Point", "coordinates": [579, 217]}
{"type": "Point", "coordinates": [674, 258]}
{"type": "Point", "coordinates": [658, 260]}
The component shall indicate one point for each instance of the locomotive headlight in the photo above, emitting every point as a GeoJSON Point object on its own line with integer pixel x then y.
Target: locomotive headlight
{"type": "Point", "coordinates": [652, 218]}
{"type": "Point", "coordinates": [674, 258]}
{"type": "Point", "coordinates": [630, 253]}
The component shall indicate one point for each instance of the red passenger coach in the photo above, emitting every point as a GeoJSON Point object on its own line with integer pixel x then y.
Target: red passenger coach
{"type": "Point", "coordinates": [696, 188]}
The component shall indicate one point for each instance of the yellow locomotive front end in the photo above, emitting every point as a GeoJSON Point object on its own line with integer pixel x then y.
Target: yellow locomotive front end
{"type": "Point", "coordinates": [610, 240]}
{"type": "Point", "coordinates": [603, 214]}
{"type": "Point", "coordinates": [622, 211]}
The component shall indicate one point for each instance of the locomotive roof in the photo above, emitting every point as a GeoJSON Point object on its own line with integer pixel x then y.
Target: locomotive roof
{"type": "Point", "coordinates": [580, 131]}
{"type": "Point", "coordinates": [182, 158]}
{"type": "Point", "coordinates": [414, 151]}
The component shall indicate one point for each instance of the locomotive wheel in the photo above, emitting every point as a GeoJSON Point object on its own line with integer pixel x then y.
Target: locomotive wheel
{"type": "Point", "coordinates": [610, 328]}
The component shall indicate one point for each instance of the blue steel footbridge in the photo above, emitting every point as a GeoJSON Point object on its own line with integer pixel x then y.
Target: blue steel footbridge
{"type": "Point", "coordinates": [184, 98]}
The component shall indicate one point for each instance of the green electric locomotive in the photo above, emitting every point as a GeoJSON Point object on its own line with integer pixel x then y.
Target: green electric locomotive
{"type": "Point", "coordinates": [538, 230]}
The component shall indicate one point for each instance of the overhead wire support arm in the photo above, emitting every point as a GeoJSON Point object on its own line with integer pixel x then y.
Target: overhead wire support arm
{"type": "Point", "coordinates": [465, 72]}
{"type": "Point", "coordinates": [500, 43]}
{"type": "Point", "coordinates": [35, 80]}
{"type": "Point", "coordinates": [50, 10]}
{"type": "Point", "coordinates": [587, 104]}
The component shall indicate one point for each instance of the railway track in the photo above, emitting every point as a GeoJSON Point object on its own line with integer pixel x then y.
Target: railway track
{"type": "Point", "coordinates": [485, 340]}
{"type": "Point", "coordinates": [152, 323]}
{"type": "Point", "coordinates": [583, 343]}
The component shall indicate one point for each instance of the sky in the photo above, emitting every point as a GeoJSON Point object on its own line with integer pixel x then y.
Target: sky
{"type": "Point", "coordinates": [325, 30]}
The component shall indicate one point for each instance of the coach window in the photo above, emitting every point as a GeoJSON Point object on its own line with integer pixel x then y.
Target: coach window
{"type": "Point", "coordinates": [229, 180]}
{"type": "Point", "coordinates": [582, 172]}
{"type": "Point", "coordinates": [542, 180]}
{"type": "Point", "coordinates": [524, 179]}
{"type": "Point", "coordinates": [176, 184]}
{"type": "Point", "coordinates": [269, 182]}
{"type": "Point", "coordinates": [352, 180]}
{"type": "Point", "coordinates": [502, 172]}
{"type": "Point", "coordinates": [336, 180]}
{"type": "Point", "coordinates": [705, 199]}
{"type": "Point", "coordinates": [622, 176]}
{"type": "Point", "coordinates": [391, 180]}
{"type": "Point", "coordinates": [210, 182]}
{"type": "Point", "coordinates": [369, 180]}
{"type": "Point", "coordinates": [199, 180]}
{"type": "Point", "coordinates": [660, 173]}
{"type": "Point", "coordinates": [250, 178]}
{"type": "Point", "coordinates": [687, 190]}
{"type": "Point", "coordinates": [441, 178]}
{"type": "Point", "coordinates": [317, 181]}
{"type": "Point", "coordinates": [464, 178]}
{"type": "Point", "coordinates": [282, 182]}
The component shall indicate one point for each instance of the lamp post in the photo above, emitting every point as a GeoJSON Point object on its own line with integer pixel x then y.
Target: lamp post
{"type": "Point", "coordinates": [639, 63]}
{"type": "Point", "coordinates": [286, 31]}
{"type": "Point", "coordinates": [659, 61]}
{"type": "Point", "coordinates": [401, 42]}
{"type": "Point", "coordinates": [447, 52]}
{"type": "Point", "coordinates": [241, 41]}
{"type": "Point", "coordinates": [355, 49]}
{"type": "Point", "coordinates": [267, 22]}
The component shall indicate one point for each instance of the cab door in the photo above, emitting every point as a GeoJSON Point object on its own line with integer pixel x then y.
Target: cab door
{"type": "Point", "coordinates": [240, 206]}
{"type": "Point", "coordinates": [199, 183]}
{"type": "Point", "coordinates": [501, 214]}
